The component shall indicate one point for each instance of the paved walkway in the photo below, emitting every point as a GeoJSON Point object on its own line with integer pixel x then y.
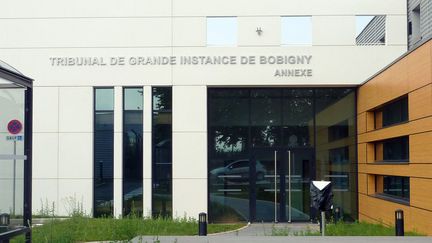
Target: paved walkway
{"type": "Point", "coordinates": [278, 239]}
{"type": "Point", "coordinates": [273, 229]}
{"type": "Point", "coordinates": [266, 232]}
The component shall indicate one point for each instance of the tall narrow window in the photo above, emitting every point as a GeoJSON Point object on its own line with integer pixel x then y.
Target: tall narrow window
{"type": "Point", "coordinates": [103, 151]}
{"type": "Point", "coordinates": [133, 151]}
{"type": "Point", "coordinates": [415, 24]}
{"type": "Point", "coordinates": [162, 152]}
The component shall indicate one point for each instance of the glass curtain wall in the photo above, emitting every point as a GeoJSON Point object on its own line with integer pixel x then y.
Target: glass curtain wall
{"type": "Point", "coordinates": [335, 146]}
{"type": "Point", "coordinates": [132, 151]}
{"type": "Point", "coordinates": [103, 152]}
{"type": "Point", "coordinates": [267, 145]}
{"type": "Point", "coordinates": [162, 152]}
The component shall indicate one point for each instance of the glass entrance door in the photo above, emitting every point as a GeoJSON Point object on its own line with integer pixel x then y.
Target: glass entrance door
{"type": "Point", "coordinates": [282, 178]}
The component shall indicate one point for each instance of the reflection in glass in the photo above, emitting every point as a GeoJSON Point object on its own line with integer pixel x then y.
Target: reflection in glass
{"type": "Point", "coordinates": [221, 31]}
{"type": "Point", "coordinates": [371, 30]}
{"type": "Point", "coordinates": [133, 151]}
{"type": "Point", "coordinates": [11, 171]}
{"type": "Point", "coordinates": [396, 186]}
{"type": "Point", "coordinates": [297, 30]}
{"type": "Point", "coordinates": [247, 126]}
{"type": "Point", "coordinates": [162, 152]}
{"type": "Point", "coordinates": [335, 145]}
{"type": "Point", "coordinates": [103, 152]}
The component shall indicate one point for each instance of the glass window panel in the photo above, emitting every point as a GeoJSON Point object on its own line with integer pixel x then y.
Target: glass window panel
{"type": "Point", "coordinates": [371, 30]}
{"type": "Point", "coordinates": [395, 112]}
{"type": "Point", "coordinates": [396, 186]}
{"type": "Point", "coordinates": [335, 134]}
{"type": "Point", "coordinates": [162, 152]}
{"type": "Point", "coordinates": [396, 149]}
{"type": "Point", "coordinates": [133, 151]}
{"type": "Point", "coordinates": [133, 99]}
{"type": "Point", "coordinates": [12, 170]}
{"type": "Point", "coordinates": [221, 31]}
{"type": "Point", "coordinates": [338, 131]}
{"type": "Point", "coordinates": [297, 30]}
{"type": "Point", "coordinates": [244, 121]}
{"type": "Point", "coordinates": [104, 99]}
{"type": "Point", "coordinates": [103, 152]}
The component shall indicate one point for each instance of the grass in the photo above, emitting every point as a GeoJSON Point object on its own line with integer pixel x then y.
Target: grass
{"type": "Point", "coordinates": [78, 229]}
{"type": "Point", "coordinates": [346, 229]}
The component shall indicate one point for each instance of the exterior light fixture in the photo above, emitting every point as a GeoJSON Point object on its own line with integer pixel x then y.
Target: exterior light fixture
{"type": "Point", "coordinates": [259, 31]}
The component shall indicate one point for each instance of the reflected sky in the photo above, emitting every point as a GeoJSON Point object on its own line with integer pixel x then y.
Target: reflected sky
{"type": "Point", "coordinates": [361, 23]}
{"type": "Point", "coordinates": [221, 31]}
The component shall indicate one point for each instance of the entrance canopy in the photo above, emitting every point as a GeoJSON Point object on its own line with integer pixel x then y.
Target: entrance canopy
{"type": "Point", "coordinates": [15, 152]}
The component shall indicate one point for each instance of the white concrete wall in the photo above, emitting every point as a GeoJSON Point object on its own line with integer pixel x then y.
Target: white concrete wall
{"type": "Point", "coordinates": [108, 28]}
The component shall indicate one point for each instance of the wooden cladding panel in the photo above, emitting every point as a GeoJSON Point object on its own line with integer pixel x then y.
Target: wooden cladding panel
{"type": "Point", "coordinates": [421, 148]}
{"type": "Point", "coordinates": [362, 183]}
{"type": "Point", "coordinates": [371, 184]}
{"type": "Point", "coordinates": [377, 210]}
{"type": "Point", "coordinates": [419, 67]}
{"type": "Point", "coordinates": [410, 76]}
{"type": "Point", "coordinates": [370, 121]}
{"type": "Point", "coordinates": [420, 103]}
{"type": "Point", "coordinates": [386, 86]}
{"type": "Point", "coordinates": [361, 153]}
{"type": "Point", "coordinates": [361, 123]}
{"type": "Point", "coordinates": [413, 127]}
{"type": "Point", "coordinates": [410, 73]}
{"type": "Point", "coordinates": [411, 170]}
{"type": "Point", "coordinates": [421, 193]}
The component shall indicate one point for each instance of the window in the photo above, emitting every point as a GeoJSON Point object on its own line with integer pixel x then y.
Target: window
{"type": "Point", "coordinates": [296, 30]}
{"type": "Point", "coordinates": [392, 113]}
{"type": "Point", "coordinates": [103, 152]}
{"type": "Point", "coordinates": [221, 31]}
{"type": "Point", "coordinates": [392, 150]}
{"type": "Point", "coordinates": [338, 131]}
{"type": "Point", "coordinates": [415, 26]}
{"type": "Point", "coordinates": [339, 155]}
{"type": "Point", "coordinates": [132, 151]}
{"type": "Point", "coordinates": [370, 30]}
{"type": "Point", "coordinates": [396, 187]}
{"type": "Point", "coordinates": [340, 181]}
{"type": "Point", "coordinates": [162, 152]}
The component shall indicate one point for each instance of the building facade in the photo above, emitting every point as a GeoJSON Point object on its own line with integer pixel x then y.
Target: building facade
{"type": "Point", "coordinates": [394, 134]}
{"type": "Point", "coordinates": [144, 108]}
{"type": "Point", "coordinates": [419, 22]}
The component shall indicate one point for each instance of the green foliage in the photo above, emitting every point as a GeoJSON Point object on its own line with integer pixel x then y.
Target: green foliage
{"type": "Point", "coordinates": [350, 229]}
{"type": "Point", "coordinates": [78, 229]}
{"type": "Point", "coordinates": [359, 229]}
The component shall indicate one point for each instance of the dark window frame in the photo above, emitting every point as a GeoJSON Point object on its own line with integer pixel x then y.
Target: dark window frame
{"type": "Point", "coordinates": [168, 213]}
{"type": "Point", "coordinates": [124, 111]}
{"type": "Point", "coordinates": [112, 152]}
{"type": "Point", "coordinates": [383, 143]}
{"type": "Point", "coordinates": [404, 118]}
{"type": "Point", "coordinates": [403, 199]}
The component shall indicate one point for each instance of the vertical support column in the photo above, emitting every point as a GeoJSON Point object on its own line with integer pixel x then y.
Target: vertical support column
{"type": "Point", "coordinates": [147, 150]}
{"type": "Point", "coordinates": [118, 151]}
{"type": "Point", "coordinates": [28, 165]}
{"type": "Point", "coordinates": [189, 151]}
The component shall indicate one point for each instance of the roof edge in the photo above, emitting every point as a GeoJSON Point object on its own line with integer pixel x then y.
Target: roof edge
{"type": "Point", "coordinates": [396, 60]}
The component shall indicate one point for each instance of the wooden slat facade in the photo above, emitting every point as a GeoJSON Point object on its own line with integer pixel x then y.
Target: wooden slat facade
{"type": "Point", "coordinates": [411, 76]}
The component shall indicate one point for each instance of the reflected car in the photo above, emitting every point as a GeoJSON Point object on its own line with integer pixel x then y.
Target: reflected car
{"type": "Point", "coordinates": [238, 170]}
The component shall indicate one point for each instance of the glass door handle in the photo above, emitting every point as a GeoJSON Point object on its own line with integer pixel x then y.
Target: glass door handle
{"type": "Point", "coordinates": [275, 186]}
{"type": "Point", "coordinates": [289, 186]}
